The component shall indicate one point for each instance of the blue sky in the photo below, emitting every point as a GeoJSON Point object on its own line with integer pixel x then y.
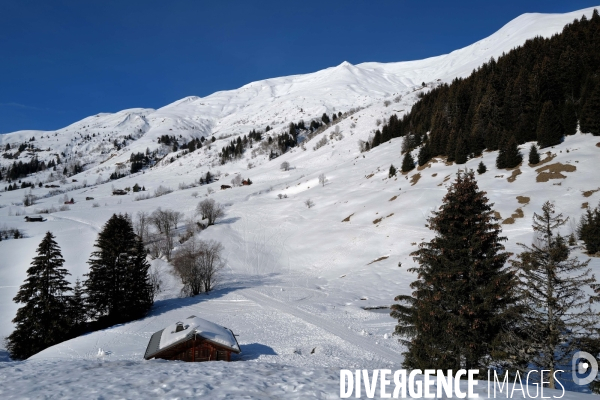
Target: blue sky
{"type": "Point", "coordinates": [61, 61]}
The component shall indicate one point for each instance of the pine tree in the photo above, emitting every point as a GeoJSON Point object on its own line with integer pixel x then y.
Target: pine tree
{"type": "Point", "coordinates": [463, 295]}
{"type": "Point", "coordinates": [481, 168]}
{"type": "Point", "coordinates": [77, 309]}
{"type": "Point", "coordinates": [590, 113]}
{"type": "Point", "coordinates": [588, 230]}
{"type": "Point", "coordinates": [43, 321]}
{"type": "Point", "coordinates": [392, 171]}
{"type": "Point", "coordinates": [408, 163]}
{"type": "Point", "coordinates": [424, 154]}
{"type": "Point", "coordinates": [570, 118]}
{"type": "Point", "coordinates": [552, 290]}
{"type": "Point", "coordinates": [461, 152]}
{"type": "Point", "coordinates": [549, 128]}
{"type": "Point", "coordinates": [509, 155]}
{"type": "Point", "coordinates": [118, 280]}
{"type": "Point", "coordinates": [534, 156]}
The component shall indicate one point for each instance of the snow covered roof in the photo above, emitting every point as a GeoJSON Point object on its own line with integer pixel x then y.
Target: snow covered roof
{"type": "Point", "coordinates": [192, 326]}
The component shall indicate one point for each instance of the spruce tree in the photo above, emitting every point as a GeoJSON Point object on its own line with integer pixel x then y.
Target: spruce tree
{"type": "Point", "coordinates": [509, 155]}
{"type": "Point", "coordinates": [392, 171]}
{"type": "Point", "coordinates": [534, 156]}
{"type": "Point", "coordinates": [588, 230]}
{"type": "Point", "coordinates": [557, 311]}
{"type": "Point", "coordinates": [481, 168]}
{"type": "Point", "coordinates": [590, 113]}
{"type": "Point", "coordinates": [117, 285]}
{"type": "Point", "coordinates": [408, 163]}
{"type": "Point", "coordinates": [43, 321]}
{"type": "Point", "coordinates": [461, 152]}
{"type": "Point", "coordinates": [464, 294]}
{"type": "Point", "coordinates": [549, 128]}
{"type": "Point", "coordinates": [424, 154]}
{"type": "Point", "coordinates": [570, 118]}
{"type": "Point", "coordinates": [77, 309]}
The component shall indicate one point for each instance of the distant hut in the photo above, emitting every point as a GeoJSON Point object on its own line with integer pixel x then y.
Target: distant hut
{"type": "Point", "coordinates": [195, 339]}
{"type": "Point", "coordinates": [37, 218]}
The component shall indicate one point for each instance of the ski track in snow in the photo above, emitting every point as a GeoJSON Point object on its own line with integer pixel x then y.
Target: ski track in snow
{"type": "Point", "coordinates": [343, 333]}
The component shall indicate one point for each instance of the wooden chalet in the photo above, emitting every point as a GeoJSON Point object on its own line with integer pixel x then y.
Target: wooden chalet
{"type": "Point", "coordinates": [194, 339]}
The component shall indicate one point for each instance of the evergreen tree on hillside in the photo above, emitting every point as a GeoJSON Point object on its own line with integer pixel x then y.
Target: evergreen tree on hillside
{"type": "Point", "coordinates": [509, 155]}
{"type": "Point", "coordinates": [118, 284]}
{"type": "Point", "coordinates": [557, 311]}
{"type": "Point", "coordinates": [570, 118]}
{"type": "Point", "coordinates": [590, 114]}
{"type": "Point", "coordinates": [464, 295]}
{"type": "Point", "coordinates": [534, 156]}
{"type": "Point", "coordinates": [424, 154]}
{"type": "Point", "coordinates": [77, 309]}
{"type": "Point", "coordinates": [481, 168]}
{"type": "Point", "coordinates": [408, 163]}
{"type": "Point", "coordinates": [549, 128]}
{"type": "Point", "coordinates": [392, 171]}
{"type": "Point", "coordinates": [43, 321]}
{"type": "Point", "coordinates": [461, 152]}
{"type": "Point", "coordinates": [588, 230]}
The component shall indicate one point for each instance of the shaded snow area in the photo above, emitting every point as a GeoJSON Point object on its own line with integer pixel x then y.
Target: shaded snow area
{"type": "Point", "coordinates": [306, 290]}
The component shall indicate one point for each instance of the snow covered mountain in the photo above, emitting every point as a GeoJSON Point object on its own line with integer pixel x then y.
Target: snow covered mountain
{"type": "Point", "coordinates": [299, 281]}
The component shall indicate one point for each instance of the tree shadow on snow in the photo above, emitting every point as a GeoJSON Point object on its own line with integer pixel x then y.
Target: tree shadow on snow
{"type": "Point", "coordinates": [4, 356]}
{"type": "Point", "coordinates": [229, 220]}
{"type": "Point", "coordinates": [252, 351]}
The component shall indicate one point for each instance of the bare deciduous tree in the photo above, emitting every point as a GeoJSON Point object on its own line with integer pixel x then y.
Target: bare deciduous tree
{"type": "Point", "coordinates": [322, 179]}
{"type": "Point", "coordinates": [285, 166]}
{"type": "Point", "coordinates": [166, 222]}
{"type": "Point", "coordinates": [198, 264]}
{"type": "Point", "coordinates": [309, 203]}
{"type": "Point", "coordinates": [211, 210]}
{"type": "Point", "coordinates": [142, 224]}
{"type": "Point", "coordinates": [155, 280]}
{"type": "Point", "coordinates": [237, 180]}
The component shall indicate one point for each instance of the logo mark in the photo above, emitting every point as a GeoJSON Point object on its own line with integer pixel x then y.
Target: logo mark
{"type": "Point", "coordinates": [584, 363]}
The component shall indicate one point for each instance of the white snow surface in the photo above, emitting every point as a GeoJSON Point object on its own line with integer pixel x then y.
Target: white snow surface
{"type": "Point", "coordinates": [298, 281]}
{"type": "Point", "coordinates": [204, 328]}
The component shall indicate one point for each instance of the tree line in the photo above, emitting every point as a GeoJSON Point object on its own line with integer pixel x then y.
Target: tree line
{"type": "Point", "coordinates": [540, 91]}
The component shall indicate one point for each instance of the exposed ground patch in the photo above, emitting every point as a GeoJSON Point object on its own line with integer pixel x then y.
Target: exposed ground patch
{"type": "Point", "coordinates": [497, 215]}
{"type": "Point", "coordinates": [523, 199]}
{"type": "Point", "coordinates": [585, 205]}
{"type": "Point", "coordinates": [414, 179]}
{"type": "Point", "coordinates": [511, 220]}
{"type": "Point", "coordinates": [514, 175]}
{"type": "Point", "coordinates": [379, 259]}
{"type": "Point", "coordinates": [393, 198]}
{"type": "Point", "coordinates": [347, 219]}
{"type": "Point", "coordinates": [553, 171]}
{"type": "Point", "coordinates": [427, 165]}
{"type": "Point", "coordinates": [446, 179]}
{"type": "Point", "coordinates": [588, 193]}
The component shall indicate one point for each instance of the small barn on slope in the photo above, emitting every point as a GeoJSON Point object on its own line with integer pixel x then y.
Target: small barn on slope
{"type": "Point", "coordinates": [194, 339]}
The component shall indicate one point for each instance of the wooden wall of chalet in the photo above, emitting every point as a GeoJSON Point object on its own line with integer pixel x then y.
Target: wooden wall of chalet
{"type": "Point", "coordinates": [195, 351]}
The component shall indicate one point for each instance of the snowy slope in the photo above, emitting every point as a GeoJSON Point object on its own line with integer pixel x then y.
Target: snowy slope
{"type": "Point", "coordinates": [297, 279]}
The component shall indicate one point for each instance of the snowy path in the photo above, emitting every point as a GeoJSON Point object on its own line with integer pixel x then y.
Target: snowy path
{"type": "Point", "coordinates": [339, 331]}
